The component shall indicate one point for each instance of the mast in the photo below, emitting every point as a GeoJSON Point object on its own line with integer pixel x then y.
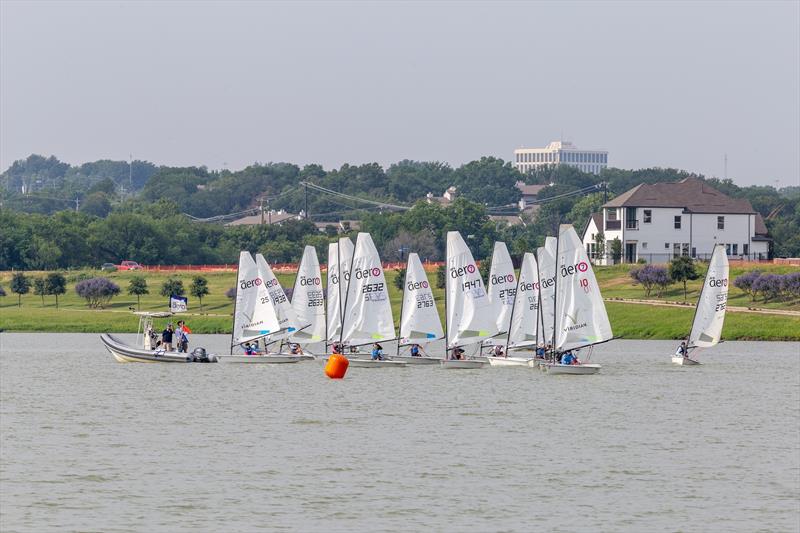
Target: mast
{"type": "Point", "coordinates": [347, 292]}
{"type": "Point", "coordinates": [402, 301]}
{"type": "Point", "coordinates": [233, 323]}
{"type": "Point", "coordinates": [555, 291]}
{"type": "Point", "coordinates": [539, 309]}
{"type": "Point", "coordinates": [446, 316]}
{"type": "Point", "coordinates": [513, 307]}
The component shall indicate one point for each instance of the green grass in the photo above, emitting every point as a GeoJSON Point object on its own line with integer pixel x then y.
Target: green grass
{"type": "Point", "coordinates": [627, 320]}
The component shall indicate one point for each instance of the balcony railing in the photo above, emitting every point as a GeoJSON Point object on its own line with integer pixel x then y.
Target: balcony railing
{"type": "Point", "coordinates": [631, 224]}
{"type": "Point", "coordinates": [613, 224]}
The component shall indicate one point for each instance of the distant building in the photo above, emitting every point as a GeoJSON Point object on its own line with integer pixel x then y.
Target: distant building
{"type": "Point", "coordinates": [660, 221]}
{"type": "Point", "coordinates": [267, 217]}
{"type": "Point", "coordinates": [447, 198]}
{"type": "Point", "coordinates": [528, 194]}
{"type": "Point", "coordinates": [560, 153]}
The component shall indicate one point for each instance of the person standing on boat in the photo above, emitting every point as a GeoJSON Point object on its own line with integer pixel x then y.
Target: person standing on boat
{"type": "Point", "coordinates": [166, 338]}
{"type": "Point", "coordinates": [182, 334]}
{"type": "Point", "coordinates": [683, 350]}
{"type": "Point", "coordinates": [377, 352]}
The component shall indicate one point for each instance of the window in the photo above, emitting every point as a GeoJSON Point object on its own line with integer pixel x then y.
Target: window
{"type": "Point", "coordinates": [677, 222]}
{"type": "Point", "coordinates": [676, 249]}
{"type": "Point", "coordinates": [666, 246]}
{"type": "Point", "coordinates": [720, 222]}
{"type": "Point", "coordinates": [735, 249]}
{"type": "Point", "coordinates": [644, 246]}
{"type": "Point", "coordinates": [745, 249]}
{"type": "Point", "coordinates": [611, 214]}
{"type": "Point", "coordinates": [648, 216]}
{"type": "Point", "coordinates": [685, 249]}
{"type": "Point", "coordinates": [694, 251]}
{"type": "Point", "coordinates": [727, 249]}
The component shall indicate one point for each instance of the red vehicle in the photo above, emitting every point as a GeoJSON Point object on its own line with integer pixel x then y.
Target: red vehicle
{"type": "Point", "coordinates": [129, 265]}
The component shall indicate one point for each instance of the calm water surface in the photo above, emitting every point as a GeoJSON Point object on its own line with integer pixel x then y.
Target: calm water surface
{"type": "Point", "coordinates": [93, 445]}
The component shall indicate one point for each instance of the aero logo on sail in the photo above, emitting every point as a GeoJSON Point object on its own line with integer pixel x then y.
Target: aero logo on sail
{"type": "Point", "coordinates": [583, 266]}
{"type": "Point", "coordinates": [312, 281]}
{"type": "Point", "coordinates": [714, 282]}
{"type": "Point", "coordinates": [248, 284]}
{"type": "Point", "coordinates": [508, 278]}
{"type": "Point", "coordinates": [366, 273]}
{"type": "Point", "coordinates": [414, 285]}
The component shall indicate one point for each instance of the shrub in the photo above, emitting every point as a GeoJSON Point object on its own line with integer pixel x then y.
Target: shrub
{"type": "Point", "coordinates": [650, 277]}
{"type": "Point", "coordinates": [198, 289]}
{"type": "Point", "coordinates": [2, 291]}
{"type": "Point", "coordinates": [746, 282]}
{"type": "Point", "coordinates": [56, 284]}
{"type": "Point", "coordinates": [441, 276]}
{"type": "Point", "coordinates": [80, 276]}
{"type": "Point", "coordinates": [97, 291]}
{"type": "Point", "coordinates": [768, 285]}
{"type": "Point", "coordinates": [682, 269]}
{"type": "Point", "coordinates": [231, 293]}
{"type": "Point", "coordinates": [40, 288]}
{"type": "Point", "coordinates": [138, 287]}
{"type": "Point", "coordinates": [20, 284]}
{"type": "Point", "coordinates": [399, 279]}
{"type": "Point", "coordinates": [790, 285]}
{"type": "Point", "coordinates": [173, 286]}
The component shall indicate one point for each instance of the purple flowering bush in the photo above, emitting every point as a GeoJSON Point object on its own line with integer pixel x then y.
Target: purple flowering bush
{"type": "Point", "coordinates": [768, 286]}
{"type": "Point", "coordinates": [790, 284]}
{"type": "Point", "coordinates": [651, 277]}
{"type": "Point", "coordinates": [231, 293]}
{"type": "Point", "coordinates": [746, 281]}
{"type": "Point", "coordinates": [97, 291]}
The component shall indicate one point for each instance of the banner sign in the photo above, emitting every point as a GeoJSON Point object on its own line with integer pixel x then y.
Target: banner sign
{"type": "Point", "coordinates": [178, 304]}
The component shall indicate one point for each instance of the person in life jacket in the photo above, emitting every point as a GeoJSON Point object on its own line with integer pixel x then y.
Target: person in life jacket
{"type": "Point", "coordinates": [683, 350]}
{"type": "Point", "coordinates": [249, 349]}
{"type": "Point", "coordinates": [567, 358]}
{"type": "Point", "coordinates": [377, 352]}
{"type": "Point", "coordinates": [415, 350]}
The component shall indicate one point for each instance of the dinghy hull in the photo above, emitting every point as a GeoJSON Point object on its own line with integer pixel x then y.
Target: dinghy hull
{"type": "Point", "coordinates": [375, 363]}
{"type": "Point", "coordinates": [574, 370]}
{"type": "Point", "coordinates": [462, 363]}
{"type": "Point", "coordinates": [416, 360]}
{"type": "Point", "coordinates": [509, 361]}
{"type": "Point", "coordinates": [684, 361]}
{"type": "Point", "coordinates": [260, 359]}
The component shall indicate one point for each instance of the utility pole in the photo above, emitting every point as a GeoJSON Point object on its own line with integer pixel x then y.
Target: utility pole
{"type": "Point", "coordinates": [261, 208]}
{"type": "Point", "coordinates": [305, 209]}
{"type": "Point", "coordinates": [130, 172]}
{"type": "Point", "coordinates": [726, 166]}
{"type": "Point", "coordinates": [77, 203]}
{"type": "Point", "coordinates": [269, 213]}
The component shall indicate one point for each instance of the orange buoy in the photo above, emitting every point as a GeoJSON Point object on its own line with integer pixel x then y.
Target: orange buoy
{"type": "Point", "coordinates": [336, 367]}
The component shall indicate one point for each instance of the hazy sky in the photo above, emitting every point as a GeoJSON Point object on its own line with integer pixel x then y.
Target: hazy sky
{"type": "Point", "coordinates": [192, 83]}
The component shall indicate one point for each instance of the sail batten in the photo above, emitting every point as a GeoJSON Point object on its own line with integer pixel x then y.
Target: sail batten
{"type": "Point", "coordinates": [419, 320]}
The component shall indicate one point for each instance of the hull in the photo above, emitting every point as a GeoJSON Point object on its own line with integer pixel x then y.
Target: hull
{"type": "Point", "coordinates": [536, 361]}
{"type": "Point", "coordinates": [509, 361]}
{"type": "Point", "coordinates": [124, 353]}
{"type": "Point", "coordinates": [260, 359]}
{"type": "Point", "coordinates": [678, 360]}
{"type": "Point", "coordinates": [462, 363]}
{"type": "Point", "coordinates": [369, 363]}
{"type": "Point", "coordinates": [574, 370]}
{"type": "Point", "coordinates": [416, 360]}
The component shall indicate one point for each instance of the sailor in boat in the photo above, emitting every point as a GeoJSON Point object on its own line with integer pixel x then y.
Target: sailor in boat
{"type": "Point", "coordinates": [540, 351]}
{"type": "Point", "coordinates": [295, 349]}
{"type": "Point", "coordinates": [249, 349]}
{"type": "Point", "coordinates": [569, 359]}
{"type": "Point", "coordinates": [337, 348]}
{"type": "Point", "coordinates": [458, 352]}
{"type": "Point", "coordinates": [415, 351]}
{"type": "Point", "coordinates": [683, 350]}
{"type": "Point", "coordinates": [498, 351]}
{"type": "Point", "coordinates": [377, 352]}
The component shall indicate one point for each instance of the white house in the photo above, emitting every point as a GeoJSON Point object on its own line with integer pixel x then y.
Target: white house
{"type": "Point", "coordinates": [664, 220]}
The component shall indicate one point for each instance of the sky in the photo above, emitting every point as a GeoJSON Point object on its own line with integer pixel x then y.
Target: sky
{"type": "Point", "coordinates": [675, 84]}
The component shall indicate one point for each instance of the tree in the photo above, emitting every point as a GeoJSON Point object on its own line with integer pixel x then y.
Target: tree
{"type": "Point", "coordinates": [768, 285]}
{"type": "Point", "coordinates": [97, 204]}
{"type": "Point", "coordinates": [198, 289]}
{"type": "Point", "coordinates": [138, 287]}
{"type": "Point", "coordinates": [441, 276]}
{"type": "Point", "coordinates": [651, 276]}
{"type": "Point", "coordinates": [489, 181]}
{"type": "Point", "coordinates": [600, 245]}
{"type": "Point", "coordinates": [20, 284]}
{"type": "Point", "coordinates": [231, 293]}
{"type": "Point", "coordinates": [400, 279]}
{"type": "Point", "coordinates": [422, 243]}
{"type": "Point", "coordinates": [616, 250]}
{"type": "Point", "coordinates": [746, 283]}
{"type": "Point", "coordinates": [40, 288]}
{"type": "Point", "coordinates": [56, 284]}
{"type": "Point", "coordinates": [683, 269]}
{"type": "Point", "coordinates": [97, 291]}
{"type": "Point", "coordinates": [172, 286]}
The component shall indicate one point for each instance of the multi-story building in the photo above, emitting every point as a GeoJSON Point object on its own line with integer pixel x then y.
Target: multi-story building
{"type": "Point", "coordinates": [657, 222]}
{"type": "Point", "coordinates": [560, 153]}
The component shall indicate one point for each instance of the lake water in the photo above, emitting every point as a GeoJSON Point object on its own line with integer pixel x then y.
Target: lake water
{"type": "Point", "coordinates": [91, 444]}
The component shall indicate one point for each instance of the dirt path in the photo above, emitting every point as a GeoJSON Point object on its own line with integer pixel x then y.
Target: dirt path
{"type": "Point", "coordinates": [731, 308]}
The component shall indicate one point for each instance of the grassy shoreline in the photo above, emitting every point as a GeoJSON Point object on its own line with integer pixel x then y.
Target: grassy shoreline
{"type": "Point", "coordinates": [631, 321]}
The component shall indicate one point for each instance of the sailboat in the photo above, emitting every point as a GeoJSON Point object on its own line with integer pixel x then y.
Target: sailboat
{"type": "Point", "coordinates": [419, 319]}
{"type": "Point", "coordinates": [709, 315]}
{"type": "Point", "coordinates": [254, 314]}
{"type": "Point", "coordinates": [546, 261]}
{"type": "Point", "coordinates": [469, 315]}
{"type": "Point", "coordinates": [308, 300]}
{"type": "Point", "coordinates": [502, 289]}
{"type": "Point", "coordinates": [340, 255]}
{"type": "Point", "coordinates": [523, 328]}
{"type": "Point", "coordinates": [366, 310]}
{"type": "Point", "coordinates": [580, 318]}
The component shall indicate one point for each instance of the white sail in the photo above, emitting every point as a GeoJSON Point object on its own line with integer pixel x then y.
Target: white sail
{"type": "Point", "coordinates": [710, 314]}
{"type": "Point", "coordinates": [367, 313]}
{"type": "Point", "coordinates": [287, 318]}
{"type": "Point", "coordinates": [546, 261]}
{"type": "Point", "coordinates": [339, 256]}
{"type": "Point", "coordinates": [525, 317]}
{"type": "Point", "coordinates": [470, 314]}
{"type": "Point", "coordinates": [419, 321]}
{"type": "Point", "coordinates": [502, 286]}
{"type": "Point", "coordinates": [308, 300]}
{"type": "Point", "coordinates": [255, 315]}
{"type": "Point", "coordinates": [581, 317]}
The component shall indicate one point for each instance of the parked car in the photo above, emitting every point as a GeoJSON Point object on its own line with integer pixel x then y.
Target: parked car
{"type": "Point", "coordinates": [129, 265]}
{"type": "Point", "coordinates": [110, 267]}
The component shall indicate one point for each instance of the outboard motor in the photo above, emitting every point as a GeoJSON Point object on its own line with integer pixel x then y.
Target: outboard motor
{"type": "Point", "coordinates": [199, 355]}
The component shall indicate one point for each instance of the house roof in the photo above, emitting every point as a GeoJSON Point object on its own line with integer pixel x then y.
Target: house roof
{"type": "Point", "coordinates": [529, 190]}
{"type": "Point", "coordinates": [761, 227]}
{"type": "Point", "coordinates": [692, 194]}
{"type": "Point", "coordinates": [254, 220]}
